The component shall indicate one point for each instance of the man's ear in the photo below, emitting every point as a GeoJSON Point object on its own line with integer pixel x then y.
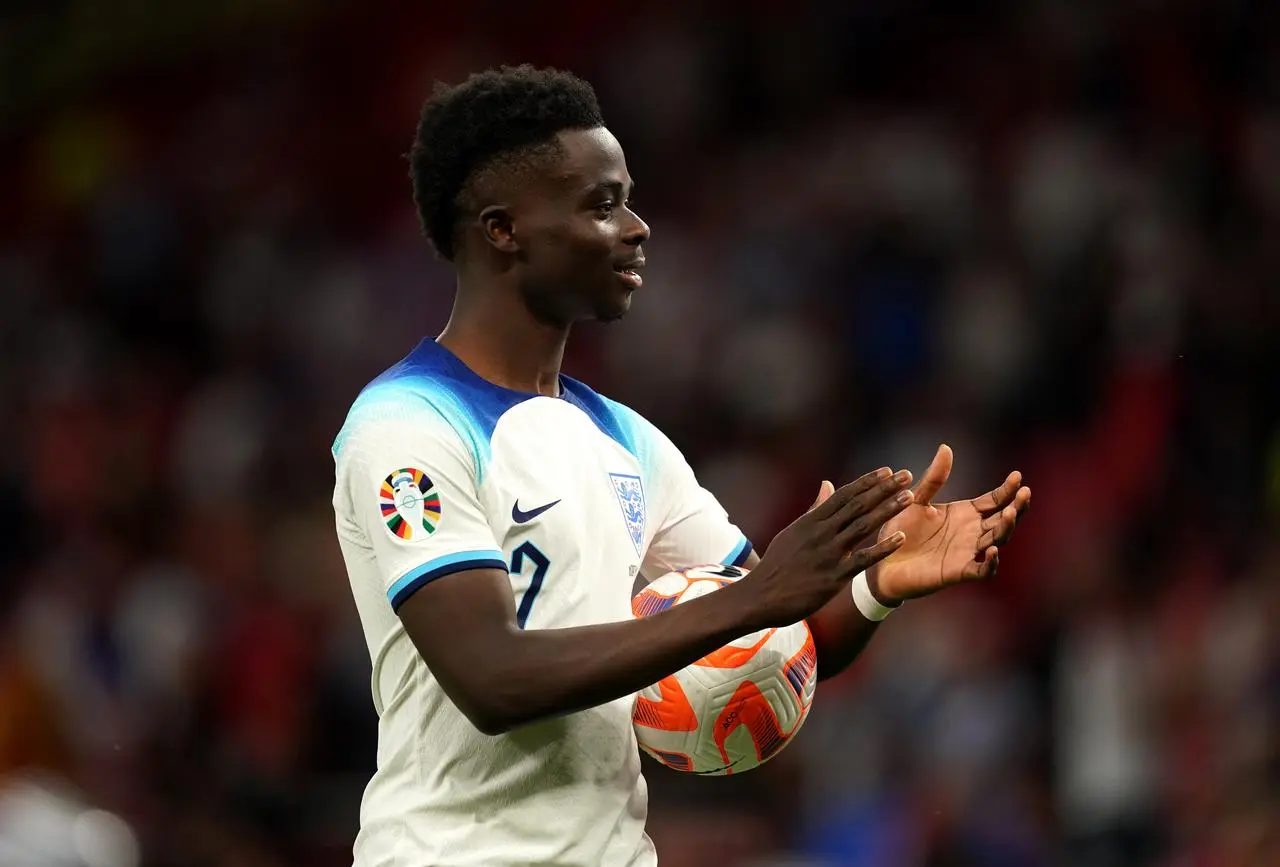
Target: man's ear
{"type": "Point", "coordinates": [499, 229]}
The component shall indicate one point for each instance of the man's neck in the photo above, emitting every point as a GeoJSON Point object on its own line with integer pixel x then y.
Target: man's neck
{"type": "Point", "coordinates": [506, 346]}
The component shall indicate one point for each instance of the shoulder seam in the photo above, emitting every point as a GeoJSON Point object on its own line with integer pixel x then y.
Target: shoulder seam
{"type": "Point", "coordinates": [463, 440]}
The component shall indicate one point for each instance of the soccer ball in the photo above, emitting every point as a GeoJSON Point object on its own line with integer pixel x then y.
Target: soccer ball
{"type": "Point", "coordinates": [735, 708]}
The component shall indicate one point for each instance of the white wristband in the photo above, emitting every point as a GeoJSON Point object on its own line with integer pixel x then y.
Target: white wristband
{"type": "Point", "coordinates": [867, 604]}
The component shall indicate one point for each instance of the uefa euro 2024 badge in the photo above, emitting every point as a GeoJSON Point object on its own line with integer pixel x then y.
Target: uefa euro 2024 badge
{"type": "Point", "coordinates": [410, 504]}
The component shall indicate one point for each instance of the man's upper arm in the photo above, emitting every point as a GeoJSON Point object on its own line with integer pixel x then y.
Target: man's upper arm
{"type": "Point", "coordinates": [413, 492]}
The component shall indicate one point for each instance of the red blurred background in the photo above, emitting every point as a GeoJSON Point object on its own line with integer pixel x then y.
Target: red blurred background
{"type": "Point", "coordinates": [1045, 232]}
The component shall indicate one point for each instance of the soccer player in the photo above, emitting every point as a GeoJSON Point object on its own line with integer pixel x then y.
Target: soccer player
{"type": "Point", "coordinates": [494, 513]}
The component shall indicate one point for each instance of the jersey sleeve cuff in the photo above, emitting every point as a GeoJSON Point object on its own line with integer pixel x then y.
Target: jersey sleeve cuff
{"type": "Point", "coordinates": [418, 577]}
{"type": "Point", "coordinates": [739, 554]}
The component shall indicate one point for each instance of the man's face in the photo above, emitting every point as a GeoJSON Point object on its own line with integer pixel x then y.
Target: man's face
{"type": "Point", "coordinates": [580, 242]}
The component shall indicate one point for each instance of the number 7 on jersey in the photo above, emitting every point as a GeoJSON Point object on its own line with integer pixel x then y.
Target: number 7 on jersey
{"type": "Point", "coordinates": [529, 551]}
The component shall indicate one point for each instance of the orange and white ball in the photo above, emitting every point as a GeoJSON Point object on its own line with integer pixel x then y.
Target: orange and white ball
{"type": "Point", "coordinates": [734, 709]}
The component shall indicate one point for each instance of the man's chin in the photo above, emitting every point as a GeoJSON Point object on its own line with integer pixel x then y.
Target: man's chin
{"type": "Point", "coordinates": [615, 310]}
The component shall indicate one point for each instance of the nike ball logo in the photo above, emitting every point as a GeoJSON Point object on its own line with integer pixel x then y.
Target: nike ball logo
{"type": "Point", "coordinates": [522, 517]}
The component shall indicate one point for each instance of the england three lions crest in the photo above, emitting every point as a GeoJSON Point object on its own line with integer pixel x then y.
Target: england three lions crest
{"type": "Point", "coordinates": [631, 498]}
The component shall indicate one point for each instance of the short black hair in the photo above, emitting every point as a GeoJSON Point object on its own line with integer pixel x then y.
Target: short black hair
{"type": "Point", "coordinates": [465, 127]}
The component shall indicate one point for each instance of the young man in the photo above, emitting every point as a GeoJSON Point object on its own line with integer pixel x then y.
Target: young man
{"type": "Point", "coordinates": [494, 513]}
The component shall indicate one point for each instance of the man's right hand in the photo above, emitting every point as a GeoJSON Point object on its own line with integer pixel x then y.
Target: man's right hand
{"type": "Point", "coordinates": [821, 551]}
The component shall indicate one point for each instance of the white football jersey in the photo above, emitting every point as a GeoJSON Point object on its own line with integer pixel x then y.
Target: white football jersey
{"type": "Point", "coordinates": [439, 471]}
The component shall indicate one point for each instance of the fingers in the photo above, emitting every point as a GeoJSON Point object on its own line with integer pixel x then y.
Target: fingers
{"type": "Point", "coordinates": [846, 494]}
{"type": "Point", "coordinates": [983, 566]}
{"type": "Point", "coordinates": [853, 506]}
{"type": "Point", "coordinates": [997, 530]}
{"type": "Point", "coordinates": [868, 525]}
{"type": "Point", "coordinates": [1001, 496]}
{"type": "Point", "coordinates": [825, 490]}
{"type": "Point", "coordinates": [936, 476]}
{"type": "Point", "coordinates": [999, 527]}
{"type": "Point", "coordinates": [864, 558]}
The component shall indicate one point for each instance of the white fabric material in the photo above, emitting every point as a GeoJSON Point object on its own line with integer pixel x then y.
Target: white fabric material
{"type": "Point", "coordinates": [438, 472]}
{"type": "Point", "coordinates": [866, 602]}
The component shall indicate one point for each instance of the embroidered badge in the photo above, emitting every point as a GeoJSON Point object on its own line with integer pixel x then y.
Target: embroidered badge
{"type": "Point", "coordinates": [631, 498]}
{"type": "Point", "coordinates": [410, 504]}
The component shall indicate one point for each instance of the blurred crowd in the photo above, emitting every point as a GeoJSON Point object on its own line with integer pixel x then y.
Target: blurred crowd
{"type": "Point", "coordinates": [1047, 233]}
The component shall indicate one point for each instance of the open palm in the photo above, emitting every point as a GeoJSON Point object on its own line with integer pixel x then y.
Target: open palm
{"type": "Point", "coordinates": [948, 542]}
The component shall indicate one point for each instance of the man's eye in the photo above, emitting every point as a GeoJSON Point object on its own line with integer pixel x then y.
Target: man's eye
{"type": "Point", "coordinates": [604, 208]}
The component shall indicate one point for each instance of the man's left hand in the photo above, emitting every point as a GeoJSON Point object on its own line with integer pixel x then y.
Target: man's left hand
{"type": "Point", "coordinates": [947, 542]}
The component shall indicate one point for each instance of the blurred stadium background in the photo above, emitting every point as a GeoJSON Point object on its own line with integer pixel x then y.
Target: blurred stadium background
{"type": "Point", "coordinates": [1047, 232]}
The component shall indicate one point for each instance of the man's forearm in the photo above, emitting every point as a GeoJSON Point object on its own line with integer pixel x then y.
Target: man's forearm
{"type": "Point", "coordinates": [501, 676]}
{"type": "Point", "coordinates": [557, 671]}
{"type": "Point", "coordinates": [840, 631]}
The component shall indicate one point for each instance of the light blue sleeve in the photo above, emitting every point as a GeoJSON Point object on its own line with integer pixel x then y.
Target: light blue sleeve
{"type": "Point", "coordinates": [408, 479]}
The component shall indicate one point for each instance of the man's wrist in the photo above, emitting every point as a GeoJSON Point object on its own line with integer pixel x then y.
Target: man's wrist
{"type": "Point", "coordinates": [867, 601]}
{"type": "Point", "coordinates": [873, 585]}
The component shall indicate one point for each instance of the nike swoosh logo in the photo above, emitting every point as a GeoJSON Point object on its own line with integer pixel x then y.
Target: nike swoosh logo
{"type": "Point", "coordinates": [522, 517]}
